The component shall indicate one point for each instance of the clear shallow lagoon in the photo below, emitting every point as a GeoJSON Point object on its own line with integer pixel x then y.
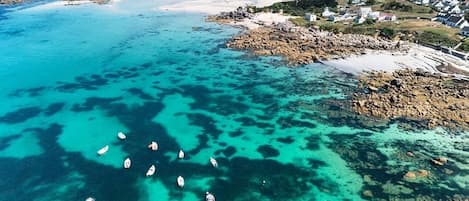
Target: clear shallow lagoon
{"type": "Point", "coordinates": [72, 77]}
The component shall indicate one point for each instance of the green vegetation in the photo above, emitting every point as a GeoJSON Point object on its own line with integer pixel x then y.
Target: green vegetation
{"type": "Point", "coordinates": [300, 7]}
{"type": "Point", "coordinates": [465, 45]}
{"type": "Point", "coordinates": [412, 30]}
{"type": "Point", "coordinates": [387, 32]}
{"type": "Point", "coordinates": [434, 37]}
{"type": "Point", "coordinates": [394, 5]}
{"type": "Point", "coordinates": [300, 21]}
{"type": "Point", "coordinates": [405, 9]}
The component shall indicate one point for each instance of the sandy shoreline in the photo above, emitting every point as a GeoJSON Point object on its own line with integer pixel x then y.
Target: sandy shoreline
{"type": "Point", "coordinates": [417, 57]}
{"type": "Point", "coordinates": [215, 6]}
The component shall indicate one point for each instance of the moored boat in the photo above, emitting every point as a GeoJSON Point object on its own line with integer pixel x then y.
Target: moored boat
{"type": "Point", "coordinates": [151, 171]}
{"type": "Point", "coordinates": [127, 163]}
{"type": "Point", "coordinates": [209, 196]}
{"type": "Point", "coordinates": [103, 150]}
{"type": "Point", "coordinates": [121, 136]}
{"type": "Point", "coordinates": [180, 181]}
{"type": "Point", "coordinates": [181, 154]}
{"type": "Point", "coordinates": [153, 146]}
{"type": "Point", "coordinates": [213, 162]}
{"type": "Point", "coordinates": [90, 199]}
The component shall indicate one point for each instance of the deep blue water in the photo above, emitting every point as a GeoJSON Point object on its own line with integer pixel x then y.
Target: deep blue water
{"type": "Point", "coordinates": [72, 77]}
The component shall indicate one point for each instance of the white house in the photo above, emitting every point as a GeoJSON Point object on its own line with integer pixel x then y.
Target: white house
{"type": "Point", "coordinates": [465, 31]}
{"type": "Point", "coordinates": [454, 10]}
{"type": "Point", "coordinates": [360, 20]}
{"type": "Point", "coordinates": [327, 13]}
{"type": "Point", "coordinates": [374, 15]}
{"type": "Point", "coordinates": [438, 5]}
{"type": "Point", "coordinates": [311, 17]}
{"type": "Point", "coordinates": [364, 11]}
{"type": "Point", "coordinates": [387, 17]}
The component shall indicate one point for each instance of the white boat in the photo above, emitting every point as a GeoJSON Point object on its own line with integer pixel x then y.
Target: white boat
{"type": "Point", "coordinates": [213, 162]}
{"type": "Point", "coordinates": [103, 150]}
{"type": "Point", "coordinates": [151, 171]}
{"type": "Point", "coordinates": [121, 136]}
{"type": "Point", "coordinates": [181, 154]}
{"type": "Point", "coordinates": [127, 163]}
{"type": "Point", "coordinates": [180, 182]}
{"type": "Point", "coordinates": [209, 197]}
{"type": "Point", "coordinates": [153, 146]}
{"type": "Point", "coordinates": [90, 199]}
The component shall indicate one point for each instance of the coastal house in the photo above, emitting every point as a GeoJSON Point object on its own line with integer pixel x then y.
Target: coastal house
{"type": "Point", "coordinates": [374, 15]}
{"type": "Point", "coordinates": [438, 5]}
{"type": "Point", "coordinates": [310, 17]}
{"type": "Point", "coordinates": [454, 10]}
{"type": "Point", "coordinates": [422, 2]}
{"type": "Point", "coordinates": [360, 20]}
{"type": "Point", "coordinates": [327, 12]}
{"type": "Point", "coordinates": [465, 31]}
{"type": "Point", "coordinates": [364, 11]}
{"type": "Point", "coordinates": [387, 17]}
{"type": "Point", "coordinates": [346, 16]}
{"type": "Point", "coordinates": [456, 21]}
{"type": "Point", "coordinates": [442, 17]}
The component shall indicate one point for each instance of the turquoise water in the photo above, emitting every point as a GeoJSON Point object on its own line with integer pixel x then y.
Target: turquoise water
{"type": "Point", "coordinates": [72, 77]}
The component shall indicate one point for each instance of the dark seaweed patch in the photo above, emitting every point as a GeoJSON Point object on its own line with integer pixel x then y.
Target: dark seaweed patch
{"type": "Point", "coordinates": [286, 140]}
{"type": "Point", "coordinates": [20, 115]}
{"type": "Point", "coordinates": [5, 141]}
{"type": "Point", "coordinates": [247, 121]}
{"type": "Point", "coordinates": [236, 133]}
{"type": "Point", "coordinates": [139, 93]}
{"type": "Point", "coordinates": [206, 122]}
{"type": "Point", "coordinates": [288, 122]}
{"type": "Point", "coordinates": [53, 108]}
{"type": "Point", "coordinates": [268, 151]}
{"type": "Point", "coordinates": [92, 102]}
{"type": "Point", "coordinates": [229, 151]}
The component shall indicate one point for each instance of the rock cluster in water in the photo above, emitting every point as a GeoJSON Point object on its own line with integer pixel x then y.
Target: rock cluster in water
{"type": "Point", "coordinates": [435, 99]}
{"type": "Point", "coordinates": [303, 46]}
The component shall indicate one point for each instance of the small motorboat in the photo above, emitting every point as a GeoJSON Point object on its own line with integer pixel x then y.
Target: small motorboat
{"type": "Point", "coordinates": [127, 163]}
{"type": "Point", "coordinates": [213, 162]}
{"type": "Point", "coordinates": [103, 150]}
{"type": "Point", "coordinates": [121, 136]}
{"type": "Point", "coordinates": [181, 154]}
{"type": "Point", "coordinates": [209, 197]}
{"type": "Point", "coordinates": [151, 171]}
{"type": "Point", "coordinates": [153, 146]}
{"type": "Point", "coordinates": [180, 182]}
{"type": "Point", "coordinates": [90, 199]}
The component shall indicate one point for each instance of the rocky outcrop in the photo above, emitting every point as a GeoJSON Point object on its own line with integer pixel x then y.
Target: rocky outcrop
{"type": "Point", "coordinates": [225, 17]}
{"type": "Point", "coordinates": [8, 2]}
{"type": "Point", "coordinates": [303, 46]}
{"type": "Point", "coordinates": [433, 99]}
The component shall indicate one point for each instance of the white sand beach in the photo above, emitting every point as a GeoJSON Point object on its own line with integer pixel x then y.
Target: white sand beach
{"type": "Point", "coordinates": [417, 57]}
{"type": "Point", "coordinates": [215, 6]}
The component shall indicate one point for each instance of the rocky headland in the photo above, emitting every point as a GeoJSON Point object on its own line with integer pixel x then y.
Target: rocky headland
{"type": "Point", "coordinates": [433, 98]}
{"type": "Point", "coordinates": [299, 45]}
{"type": "Point", "coordinates": [303, 46]}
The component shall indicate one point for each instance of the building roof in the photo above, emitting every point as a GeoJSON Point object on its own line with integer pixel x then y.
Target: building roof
{"type": "Point", "coordinates": [454, 19]}
{"type": "Point", "coordinates": [386, 15]}
{"type": "Point", "coordinates": [465, 29]}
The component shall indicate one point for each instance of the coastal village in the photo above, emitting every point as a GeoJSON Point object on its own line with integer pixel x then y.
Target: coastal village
{"type": "Point", "coordinates": [450, 13]}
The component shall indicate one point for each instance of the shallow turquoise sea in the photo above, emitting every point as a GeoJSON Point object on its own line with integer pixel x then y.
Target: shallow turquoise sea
{"type": "Point", "coordinates": [72, 77]}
